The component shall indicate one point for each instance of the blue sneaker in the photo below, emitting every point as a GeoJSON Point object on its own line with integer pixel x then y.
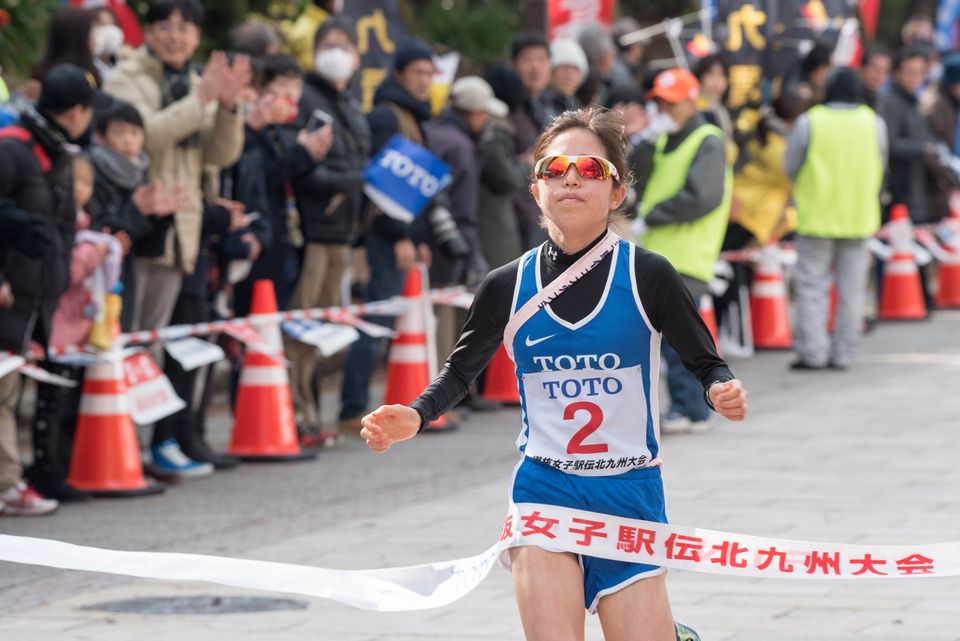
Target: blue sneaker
{"type": "Point", "coordinates": [169, 459]}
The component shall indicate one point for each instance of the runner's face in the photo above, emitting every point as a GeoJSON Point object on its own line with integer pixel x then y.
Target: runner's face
{"type": "Point", "coordinates": [573, 203]}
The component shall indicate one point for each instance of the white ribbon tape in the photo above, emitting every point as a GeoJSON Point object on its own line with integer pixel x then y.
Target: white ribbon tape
{"type": "Point", "coordinates": [433, 585]}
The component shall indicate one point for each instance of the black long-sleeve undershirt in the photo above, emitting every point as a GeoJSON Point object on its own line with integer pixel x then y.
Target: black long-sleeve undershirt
{"type": "Point", "coordinates": [665, 299]}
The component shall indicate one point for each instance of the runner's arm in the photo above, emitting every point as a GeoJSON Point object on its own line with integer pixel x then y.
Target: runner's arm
{"type": "Point", "coordinates": [481, 337]}
{"type": "Point", "coordinates": [672, 312]}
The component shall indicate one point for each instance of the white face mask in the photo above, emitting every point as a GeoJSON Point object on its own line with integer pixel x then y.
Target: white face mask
{"type": "Point", "coordinates": [334, 64]}
{"type": "Point", "coordinates": [659, 123]}
{"type": "Point", "coordinates": [107, 40]}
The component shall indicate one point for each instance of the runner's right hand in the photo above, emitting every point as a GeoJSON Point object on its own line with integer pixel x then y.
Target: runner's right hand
{"type": "Point", "coordinates": [389, 424]}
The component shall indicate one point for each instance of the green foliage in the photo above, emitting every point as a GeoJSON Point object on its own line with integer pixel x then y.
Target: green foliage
{"type": "Point", "coordinates": [23, 29]}
{"type": "Point", "coordinates": [479, 30]}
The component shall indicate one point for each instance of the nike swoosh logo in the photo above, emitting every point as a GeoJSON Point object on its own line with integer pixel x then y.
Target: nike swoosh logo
{"type": "Point", "coordinates": [530, 343]}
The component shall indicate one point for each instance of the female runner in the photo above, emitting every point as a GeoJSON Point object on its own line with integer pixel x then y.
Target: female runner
{"type": "Point", "coordinates": [588, 366]}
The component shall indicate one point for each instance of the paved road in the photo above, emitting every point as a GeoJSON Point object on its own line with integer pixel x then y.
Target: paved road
{"type": "Point", "coordinates": [862, 456]}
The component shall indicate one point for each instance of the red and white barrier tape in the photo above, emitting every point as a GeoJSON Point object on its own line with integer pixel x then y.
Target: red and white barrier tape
{"type": "Point", "coordinates": [434, 585]}
{"type": "Point", "coordinates": [346, 315]}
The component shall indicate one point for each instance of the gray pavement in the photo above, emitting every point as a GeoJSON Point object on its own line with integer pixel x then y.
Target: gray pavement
{"type": "Point", "coordinates": [863, 456]}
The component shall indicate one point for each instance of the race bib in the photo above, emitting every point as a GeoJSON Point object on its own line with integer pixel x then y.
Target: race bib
{"type": "Point", "coordinates": [588, 422]}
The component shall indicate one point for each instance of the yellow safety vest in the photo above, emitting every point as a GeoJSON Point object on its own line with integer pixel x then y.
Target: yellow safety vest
{"type": "Point", "coordinates": [837, 190]}
{"type": "Point", "coordinates": [692, 248]}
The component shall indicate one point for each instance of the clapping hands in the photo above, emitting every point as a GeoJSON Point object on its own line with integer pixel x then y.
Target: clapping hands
{"type": "Point", "coordinates": [222, 81]}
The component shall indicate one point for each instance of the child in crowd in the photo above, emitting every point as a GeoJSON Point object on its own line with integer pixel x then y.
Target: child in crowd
{"type": "Point", "coordinates": [94, 270]}
{"type": "Point", "coordinates": [135, 212]}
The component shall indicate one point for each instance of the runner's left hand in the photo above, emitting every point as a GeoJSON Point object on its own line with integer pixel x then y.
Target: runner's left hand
{"type": "Point", "coordinates": [729, 399]}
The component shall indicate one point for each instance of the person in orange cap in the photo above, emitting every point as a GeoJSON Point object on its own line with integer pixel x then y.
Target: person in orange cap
{"type": "Point", "coordinates": [685, 183]}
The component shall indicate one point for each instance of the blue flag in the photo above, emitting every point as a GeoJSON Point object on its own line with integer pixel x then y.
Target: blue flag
{"type": "Point", "coordinates": [403, 178]}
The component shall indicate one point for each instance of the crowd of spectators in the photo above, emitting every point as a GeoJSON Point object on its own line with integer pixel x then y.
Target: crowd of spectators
{"type": "Point", "coordinates": [174, 185]}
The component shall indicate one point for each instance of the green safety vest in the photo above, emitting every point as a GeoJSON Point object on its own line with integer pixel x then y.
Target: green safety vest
{"type": "Point", "coordinates": [837, 190]}
{"type": "Point", "coordinates": [692, 248]}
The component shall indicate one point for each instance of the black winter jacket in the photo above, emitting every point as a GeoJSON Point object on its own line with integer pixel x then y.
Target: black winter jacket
{"type": "Point", "coordinates": [330, 196]}
{"type": "Point", "coordinates": [451, 140]}
{"type": "Point", "coordinates": [45, 192]}
{"type": "Point", "coordinates": [383, 126]}
{"type": "Point", "coordinates": [909, 140]}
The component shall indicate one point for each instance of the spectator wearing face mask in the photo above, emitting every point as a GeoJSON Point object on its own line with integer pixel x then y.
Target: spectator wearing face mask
{"type": "Point", "coordinates": [401, 106]}
{"type": "Point", "coordinates": [107, 41]}
{"type": "Point", "coordinates": [329, 198]}
{"type": "Point", "coordinates": [685, 204]}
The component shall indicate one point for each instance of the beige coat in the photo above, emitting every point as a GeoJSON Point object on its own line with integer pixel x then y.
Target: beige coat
{"type": "Point", "coordinates": [137, 80]}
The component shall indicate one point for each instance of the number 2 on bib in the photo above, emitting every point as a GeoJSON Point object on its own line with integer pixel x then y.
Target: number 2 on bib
{"type": "Point", "coordinates": [576, 444]}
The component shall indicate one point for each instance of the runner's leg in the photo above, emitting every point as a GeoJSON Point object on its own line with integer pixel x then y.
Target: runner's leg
{"type": "Point", "coordinates": [639, 612]}
{"type": "Point", "coordinates": [549, 587]}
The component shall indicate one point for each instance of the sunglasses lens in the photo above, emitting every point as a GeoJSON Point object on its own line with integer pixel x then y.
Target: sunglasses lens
{"type": "Point", "coordinates": [556, 167]}
{"type": "Point", "coordinates": [589, 167]}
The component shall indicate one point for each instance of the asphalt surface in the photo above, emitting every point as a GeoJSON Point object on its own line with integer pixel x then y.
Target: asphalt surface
{"type": "Point", "coordinates": [866, 455]}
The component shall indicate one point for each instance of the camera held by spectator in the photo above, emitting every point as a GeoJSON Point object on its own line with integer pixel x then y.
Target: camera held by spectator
{"type": "Point", "coordinates": [446, 232]}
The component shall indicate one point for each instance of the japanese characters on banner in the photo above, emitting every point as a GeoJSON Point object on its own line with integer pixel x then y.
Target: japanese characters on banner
{"type": "Point", "coordinates": [765, 40]}
{"type": "Point", "coordinates": [379, 31]}
{"type": "Point", "coordinates": [149, 393]}
{"type": "Point", "coordinates": [714, 552]}
{"type": "Point", "coordinates": [433, 585]}
{"type": "Point", "coordinates": [567, 17]}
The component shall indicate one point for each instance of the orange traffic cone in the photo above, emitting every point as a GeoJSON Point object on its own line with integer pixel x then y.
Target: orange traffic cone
{"type": "Point", "coordinates": [769, 311]}
{"type": "Point", "coordinates": [709, 317]}
{"type": "Point", "coordinates": [106, 454]}
{"type": "Point", "coordinates": [901, 293]}
{"type": "Point", "coordinates": [501, 385]}
{"type": "Point", "coordinates": [408, 367]}
{"type": "Point", "coordinates": [948, 288]}
{"type": "Point", "coordinates": [263, 424]}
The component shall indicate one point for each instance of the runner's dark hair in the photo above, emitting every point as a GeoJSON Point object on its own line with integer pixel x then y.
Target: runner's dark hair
{"type": "Point", "coordinates": [604, 124]}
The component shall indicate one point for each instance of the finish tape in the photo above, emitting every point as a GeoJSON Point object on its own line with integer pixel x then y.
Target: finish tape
{"type": "Point", "coordinates": [434, 585]}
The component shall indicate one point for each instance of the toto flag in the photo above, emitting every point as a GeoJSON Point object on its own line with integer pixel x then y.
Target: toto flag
{"type": "Point", "coordinates": [403, 178]}
{"type": "Point", "coordinates": [765, 40]}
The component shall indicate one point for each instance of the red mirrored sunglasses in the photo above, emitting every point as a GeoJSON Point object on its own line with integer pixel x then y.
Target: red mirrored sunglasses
{"type": "Point", "coordinates": [587, 166]}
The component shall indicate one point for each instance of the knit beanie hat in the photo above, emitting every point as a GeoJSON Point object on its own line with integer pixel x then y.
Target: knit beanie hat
{"type": "Point", "coordinates": [568, 52]}
{"type": "Point", "coordinates": [409, 52]}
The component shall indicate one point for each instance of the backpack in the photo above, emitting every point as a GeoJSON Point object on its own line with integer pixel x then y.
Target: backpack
{"type": "Point", "coordinates": [19, 133]}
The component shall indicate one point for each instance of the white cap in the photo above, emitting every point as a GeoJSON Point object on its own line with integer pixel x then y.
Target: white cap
{"type": "Point", "coordinates": [472, 93]}
{"type": "Point", "coordinates": [568, 52]}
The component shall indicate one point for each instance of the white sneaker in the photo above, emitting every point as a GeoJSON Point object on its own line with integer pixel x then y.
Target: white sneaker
{"type": "Point", "coordinates": [23, 500]}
